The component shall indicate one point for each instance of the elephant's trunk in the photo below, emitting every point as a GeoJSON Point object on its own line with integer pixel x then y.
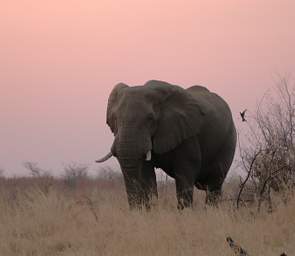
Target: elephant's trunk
{"type": "Point", "coordinates": [131, 143]}
{"type": "Point", "coordinates": [133, 182]}
{"type": "Point", "coordinates": [132, 153]}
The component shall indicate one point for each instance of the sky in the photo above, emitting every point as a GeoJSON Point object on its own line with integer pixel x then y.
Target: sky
{"type": "Point", "coordinates": [60, 60]}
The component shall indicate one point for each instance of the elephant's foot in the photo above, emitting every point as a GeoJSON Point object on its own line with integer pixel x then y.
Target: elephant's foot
{"type": "Point", "coordinates": [142, 201]}
{"type": "Point", "coordinates": [184, 191]}
{"type": "Point", "coordinates": [184, 198]}
{"type": "Point", "coordinates": [150, 201]}
{"type": "Point", "coordinates": [213, 197]}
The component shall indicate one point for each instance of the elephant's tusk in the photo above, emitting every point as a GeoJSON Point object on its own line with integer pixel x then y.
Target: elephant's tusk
{"type": "Point", "coordinates": [103, 159]}
{"type": "Point", "coordinates": [148, 156]}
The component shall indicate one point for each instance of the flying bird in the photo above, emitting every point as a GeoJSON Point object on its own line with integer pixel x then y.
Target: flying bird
{"type": "Point", "coordinates": [243, 115]}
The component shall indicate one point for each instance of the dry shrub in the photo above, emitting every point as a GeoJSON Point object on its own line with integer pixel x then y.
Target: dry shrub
{"type": "Point", "coordinates": [267, 147]}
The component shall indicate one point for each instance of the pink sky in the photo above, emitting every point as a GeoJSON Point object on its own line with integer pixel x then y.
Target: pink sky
{"type": "Point", "coordinates": [60, 60]}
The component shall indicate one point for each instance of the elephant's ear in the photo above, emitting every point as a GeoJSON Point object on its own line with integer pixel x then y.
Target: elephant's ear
{"type": "Point", "coordinates": [112, 104]}
{"type": "Point", "coordinates": [180, 117]}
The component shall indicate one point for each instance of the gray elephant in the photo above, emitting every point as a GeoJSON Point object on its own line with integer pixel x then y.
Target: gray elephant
{"type": "Point", "coordinates": [188, 133]}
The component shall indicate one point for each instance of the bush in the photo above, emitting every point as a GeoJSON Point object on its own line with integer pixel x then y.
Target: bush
{"type": "Point", "coordinates": [268, 147]}
{"type": "Point", "coordinates": [74, 174]}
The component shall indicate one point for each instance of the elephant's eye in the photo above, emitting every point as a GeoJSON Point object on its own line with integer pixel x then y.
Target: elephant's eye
{"type": "Point", "coordinates": [150, 117]}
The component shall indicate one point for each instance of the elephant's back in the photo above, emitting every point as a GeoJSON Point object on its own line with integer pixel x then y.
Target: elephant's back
{"type": "Point", "coordinates": [218, 121]}
{"type": "Point", "coordinates": [209, 101]}
{"type": "Point", "coordinates": [197, 88]}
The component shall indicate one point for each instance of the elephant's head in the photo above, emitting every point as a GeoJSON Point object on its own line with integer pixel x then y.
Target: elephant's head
{"type": "Point", "coordinates": [147, 120]}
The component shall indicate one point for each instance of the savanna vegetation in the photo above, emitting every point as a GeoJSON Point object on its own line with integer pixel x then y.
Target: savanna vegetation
{"type": "Point", "coordinates": [80, 215]}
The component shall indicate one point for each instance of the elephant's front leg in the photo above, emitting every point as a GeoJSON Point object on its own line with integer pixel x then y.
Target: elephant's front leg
{"type": "Point", "coordinates": [149, 184]}
{"type": "Point", "coordinates": [184, 192]}
{"type": "Point", "coordinates": [186, 168]}
{"type": "Point", "coordinates": [185, 177]}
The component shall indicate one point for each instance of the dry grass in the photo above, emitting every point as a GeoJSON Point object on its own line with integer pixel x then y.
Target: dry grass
{"type": "Point", "coordinates": [93, 219]}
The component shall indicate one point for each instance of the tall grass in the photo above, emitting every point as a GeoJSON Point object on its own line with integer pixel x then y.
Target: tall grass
{"type": "Point", "coordinates": [50, 217]}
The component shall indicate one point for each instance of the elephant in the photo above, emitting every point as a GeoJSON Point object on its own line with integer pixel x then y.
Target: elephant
{"type": "Point", "coordinates": [188, 133]}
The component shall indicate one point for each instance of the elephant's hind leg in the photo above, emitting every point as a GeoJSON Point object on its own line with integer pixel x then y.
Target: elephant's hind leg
{"type": "Point", "coordinates": [213, 195]}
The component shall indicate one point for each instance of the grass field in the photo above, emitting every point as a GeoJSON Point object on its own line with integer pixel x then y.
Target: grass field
{"type": "Point", "coordinates": [45, 216]}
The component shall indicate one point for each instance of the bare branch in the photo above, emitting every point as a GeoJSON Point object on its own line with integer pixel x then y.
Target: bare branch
{"type": "Point", "coordinates": [242, 186]}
